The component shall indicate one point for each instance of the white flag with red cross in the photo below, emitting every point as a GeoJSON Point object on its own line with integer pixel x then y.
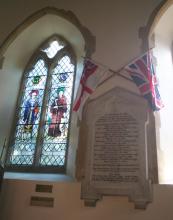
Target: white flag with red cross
{"type": "Point", "coordinates": [91, 76]}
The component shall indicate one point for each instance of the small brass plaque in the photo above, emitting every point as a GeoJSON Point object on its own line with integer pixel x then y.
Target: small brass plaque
{"type": "Point", "coordinates": [42, 201]}
{"type": "Point", "coordinates": [43, 188]}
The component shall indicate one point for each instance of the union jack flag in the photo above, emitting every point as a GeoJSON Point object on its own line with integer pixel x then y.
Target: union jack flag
{"type": "Point", "coordinates": [142, 72]}
{"type": "Point", "coordinates": [90, 78]}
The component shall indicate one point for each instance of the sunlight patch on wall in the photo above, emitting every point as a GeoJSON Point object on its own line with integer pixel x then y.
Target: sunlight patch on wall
{"type": "Point", "coordinates": [164, 69]}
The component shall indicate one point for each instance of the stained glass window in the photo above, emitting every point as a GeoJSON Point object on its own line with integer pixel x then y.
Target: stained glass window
{"type": "Point", "coordinates": [43, 115]}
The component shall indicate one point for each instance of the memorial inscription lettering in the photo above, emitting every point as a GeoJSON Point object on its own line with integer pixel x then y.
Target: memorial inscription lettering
{"type": "Point", "coordinates": [117, 146]}
{"type": "Point", "coordinates": [115, 156]}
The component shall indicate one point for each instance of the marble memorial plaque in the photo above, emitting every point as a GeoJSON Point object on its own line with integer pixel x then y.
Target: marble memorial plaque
{"type": "Point", "coordinates": [117, 136]}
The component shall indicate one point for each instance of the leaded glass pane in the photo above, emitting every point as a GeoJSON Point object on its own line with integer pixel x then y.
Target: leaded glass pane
{"type": "Point", "coordinates": [29, 113]}
{"type": "Point", "coordinates": [58, 114]}
{"type": "Point", "coordinates": [53, 48]}
{"type": "Point", "coordinates": [41, 131]}
{"type": "Point", "coordinates": [23, 153]}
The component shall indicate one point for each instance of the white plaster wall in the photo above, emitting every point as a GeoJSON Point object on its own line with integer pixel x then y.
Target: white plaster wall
{"type": "Point", "coordinates": [164, 55]}
{"type": "Point", "coordinates": [68, 205]}
{"type": "Point", "coordinates": [115, 24]}
{"type": "Point", "coordinates": [164, 69]}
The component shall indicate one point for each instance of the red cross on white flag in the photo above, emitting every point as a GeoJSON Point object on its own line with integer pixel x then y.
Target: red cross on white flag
{"type": "Point", "coordinates": [90, 78]}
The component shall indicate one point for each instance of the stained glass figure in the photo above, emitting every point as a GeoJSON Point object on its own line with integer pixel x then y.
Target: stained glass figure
{"type": "Point", "coordinates": [31, 111]}
{"type": "Point", "coordinates": [29, 115]}
{"type": "Point", "coordinates": [55, 145]}
{"type": "Point", "coordinates": [57, 110]}
{"type": "Point", "coordinates": [44, 111]}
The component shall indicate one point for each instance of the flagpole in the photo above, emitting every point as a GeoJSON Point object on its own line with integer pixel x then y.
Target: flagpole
{"type": "Point", "coordinates": [113, 74]}
{"type": "Point", "coordinates": [110, 70]}
{"type": "Point", "coordinates": [113, 71]}
{"type": "Point", "coordinates": [118, 71]}
{"type": "Point", "coordinates": [137, 57]}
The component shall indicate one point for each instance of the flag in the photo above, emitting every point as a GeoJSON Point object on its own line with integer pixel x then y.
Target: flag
{"type": "Point", "coordinates": [90, 78]}
{"type": "Point", "coordinates": [143, 74]}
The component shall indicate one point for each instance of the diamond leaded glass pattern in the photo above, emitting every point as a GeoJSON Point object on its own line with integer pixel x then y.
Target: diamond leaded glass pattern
{"type": "Point", "coordinates": [29, 115]}
{"type": "Point", "coordinates": [58, 114]}
{"type": "Point", "coordinates": [42, 127]}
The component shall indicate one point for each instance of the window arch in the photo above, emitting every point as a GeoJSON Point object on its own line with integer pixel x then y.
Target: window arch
{"type": "Point", "coordinates": [16, 51]}
{"type": "Point", "coordinates": [41, 134]}
{"type": "Point", "coordinates": [160, 38]}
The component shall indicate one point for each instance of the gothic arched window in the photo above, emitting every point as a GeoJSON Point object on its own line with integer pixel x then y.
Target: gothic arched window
{"type": "Point", "coordinates": [41, 133]}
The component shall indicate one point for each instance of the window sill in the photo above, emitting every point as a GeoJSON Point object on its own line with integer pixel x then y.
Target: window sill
{"type": "Point", "coordinates": [50, 177]}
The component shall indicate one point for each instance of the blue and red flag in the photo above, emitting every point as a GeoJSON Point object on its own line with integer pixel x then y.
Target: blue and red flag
{"type": "Point", "coordinates": [142, 72]}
